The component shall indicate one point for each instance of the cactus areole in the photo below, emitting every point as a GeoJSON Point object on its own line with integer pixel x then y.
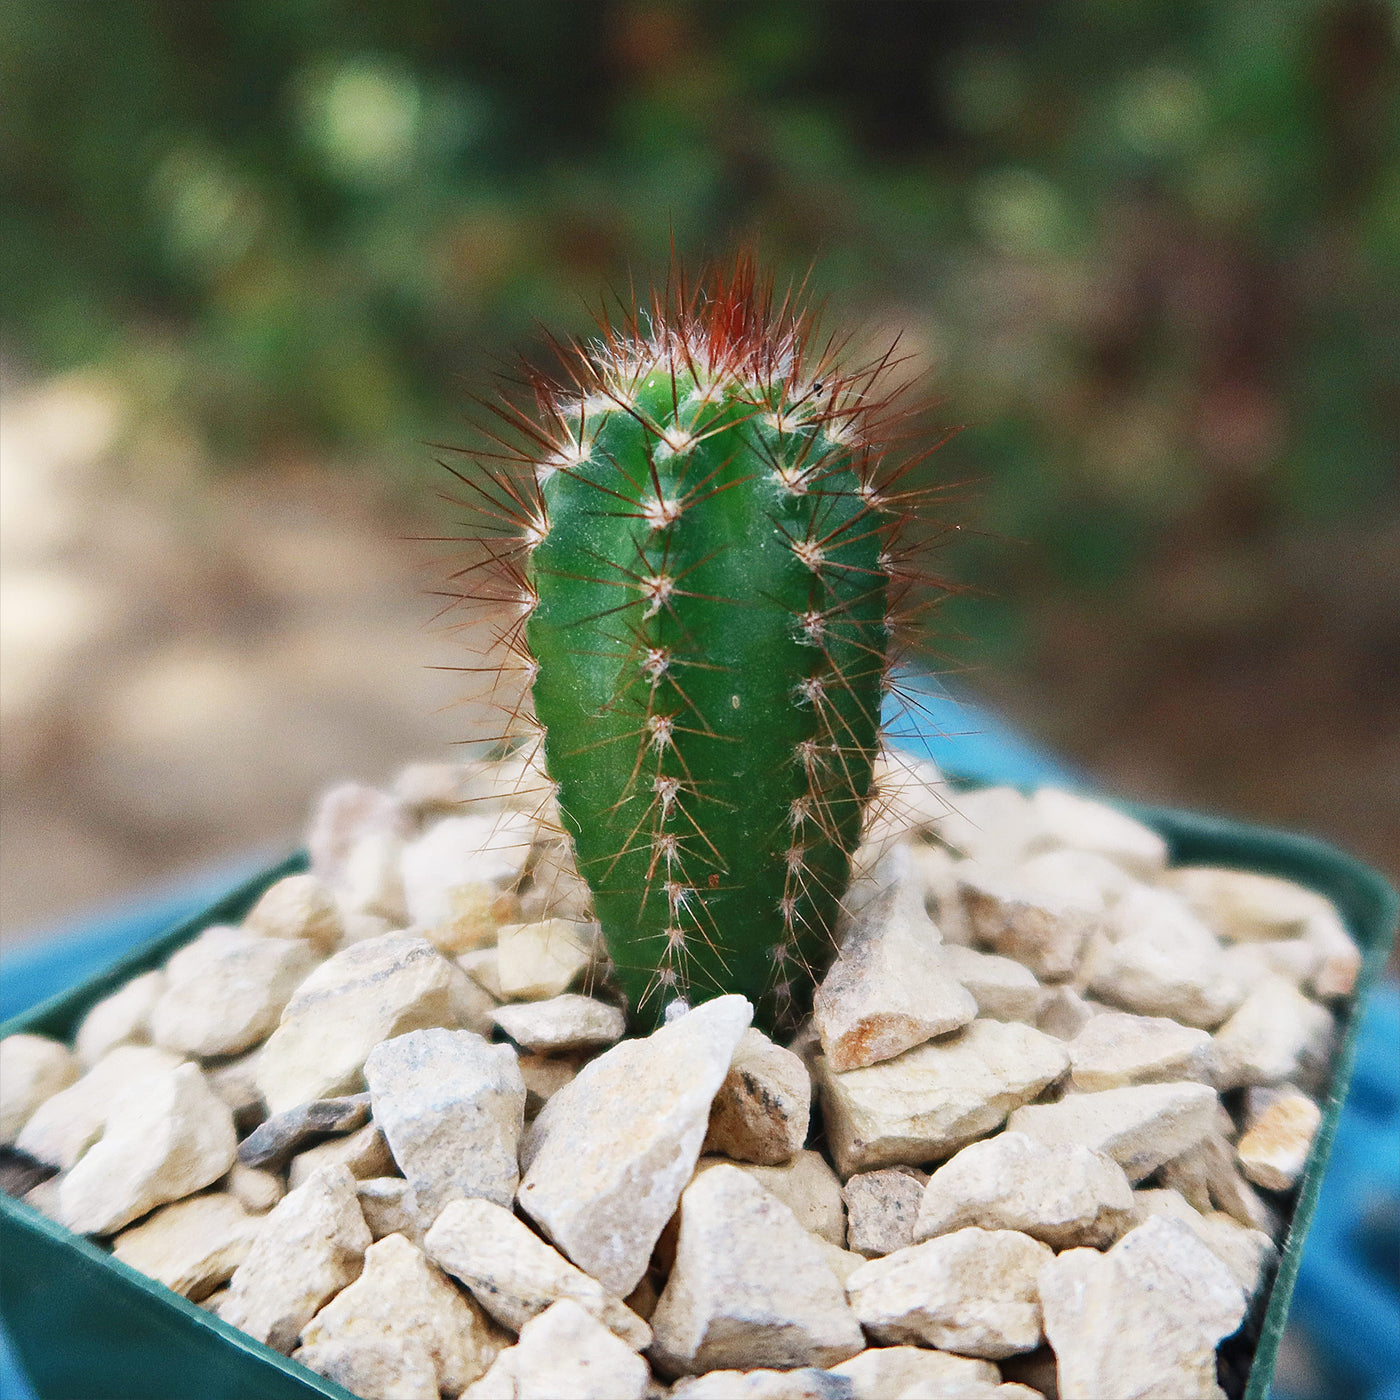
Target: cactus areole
{"type": "Point", "coordinates": [704, 551]}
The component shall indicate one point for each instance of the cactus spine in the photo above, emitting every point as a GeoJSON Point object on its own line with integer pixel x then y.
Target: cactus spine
{"type": "Point", "coordinates": [703, 555]}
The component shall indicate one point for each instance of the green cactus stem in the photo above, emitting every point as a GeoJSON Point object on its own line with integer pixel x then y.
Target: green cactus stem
{"type": "Point", "coordinates": [704, 555]}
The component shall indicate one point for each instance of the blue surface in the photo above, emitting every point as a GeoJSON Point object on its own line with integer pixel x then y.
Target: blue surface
{"type": "Point", "coordinates": [971, 742]}
{"type": "Point", "coordinates": [1349, 1282]}
{"type": "Point", "coordinates": [13, 1385]}
{"type": "Point", "coordinates": [1346, 1304]}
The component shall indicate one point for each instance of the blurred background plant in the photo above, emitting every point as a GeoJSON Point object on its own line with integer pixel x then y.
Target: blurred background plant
{"type": "Point", "coordinates": [256, 255]}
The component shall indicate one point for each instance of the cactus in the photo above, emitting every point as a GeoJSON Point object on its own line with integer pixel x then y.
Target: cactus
{"type": "Point", "coordinates": [705, 555]}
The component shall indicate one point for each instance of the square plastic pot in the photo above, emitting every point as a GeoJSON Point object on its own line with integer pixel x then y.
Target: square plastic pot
{"type": "Point", "coordinates": [88, 1327]}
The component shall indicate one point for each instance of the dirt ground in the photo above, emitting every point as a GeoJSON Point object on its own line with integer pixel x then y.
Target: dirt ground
{"type": "Point", "coordinates": [187, 658]}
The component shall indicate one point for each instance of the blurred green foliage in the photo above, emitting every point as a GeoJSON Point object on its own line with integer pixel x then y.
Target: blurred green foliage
{"type": "Point", "coordinates": [1148, 250]}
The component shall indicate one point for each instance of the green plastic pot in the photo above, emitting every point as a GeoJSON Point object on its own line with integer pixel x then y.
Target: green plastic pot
{"type": "Point", "coordinates": [87, 1327]}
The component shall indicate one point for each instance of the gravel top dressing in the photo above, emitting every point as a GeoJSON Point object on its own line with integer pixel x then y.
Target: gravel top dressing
{"type": "Point", "coordinates": [1039, 1137]}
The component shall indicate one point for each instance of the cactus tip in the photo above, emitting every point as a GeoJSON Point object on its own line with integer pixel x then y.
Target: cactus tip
{"type": "Point", "coordinates": [706, 552]}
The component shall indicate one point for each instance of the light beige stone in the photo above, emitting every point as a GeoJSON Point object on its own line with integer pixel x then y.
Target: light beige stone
{"type": "Point", "coordinates": [936, 1098]}
{"type": "Point", "coordinates": [542, 960]}
{"type": "Point", "coordinates": [1339, 959]}
{"type": "Point", "coordinates": [607, 1158]}
{"type": "Point", "coordinates": [33, 1068]}
{"type": "Point", "coordinates": [299, 907]}
{"type": "Point", "coordinates": [881, 1208]}
{"type": "Point", "coordinates": [1064, 1012]}
{"type": "Point", "coordinates": [886, 873]}
{"type": "Point", "coordinates": [310, 1247]}
{"type": "Point", "coordinates": [455, 853]}
{"type": "Point", "coordinates": [402, 1370]}
{"type": "Point", "coordinates": [996, 826]}
{"type": "Point", "coordinates": [1294, 959]}
{"type": "Point", "coordinates": [556, 890]}
{"type": "Point", "coordinates": [934, 869]}
{"type": "Point", "coordinates": [888, 990]}
{"type": "Point", "coordinates": [124, 1018]}
{"type": "Point", "coordinates": [1209, 1177]}
{"type": "Point", "coordinates": [434, 789]}
{"type": "Point", "coordinates": [644, 1297]}
{"type": "Point", "coordinates": [761, 1111]}
{"type": "Point", "coordinates": [1118, 1048]}
{"type": "Point", "coordinates": [1276, 1034]}
{"type": "Point", "coordinates": [1243, 904]}
{"type": "Point", "coordinates": [355, 842]}
{"type": "Point", "coordinates": [480, 786]}
{"type": "Point", "coordinates": [192, 1246]}
{"type": "Point", "coordinates": [452, 1107]}
{"type": "Point", "coordinates": [544, 1076]}
{"type": "Point", "coordinates": [750, 1287]}
{"type": "Point", "coordinates": [390, 1208]}
{"type": "Point", "coordinates": [1275, 1146]}
{"type": "Point", "coordinates": [1044, 926]}
{"type": "Point", "coordinates": [44, 1197]}
{"type": "Point", "coordinates": [343, 817]}
{"type": "Point", "coordinates": [1161, 960]}
{"type": "Point", "coordinates": [806, 1185]}
{"type": "Point", "coordinates": [231, 997]}
{"type": "Point", "coordinates": [236, 1083]}
{"type": "Point", "coordinates": [875, 866]}
{"type": "Point", "coordinates": [562, 1024]}
{"type": "Point", "coordinates": [165, 1138]}
{"type": "Point", "coordinates": [399, 1297]}
{"type": "Point", "coordinates": [478, 911]}
{"type": "Point", "coordinates": [806, 1045]}
{"type": "Point", "coordinates": [564, 1352]}
{"type": "Point", "coordinates": [1077, 872]}
{"type": "Point", "coordinates": [371, 991]}
{"type": "Point", "coordinates": [1161, 1200]}
{"type": "Point", "coordinates": [515, 1275]}
{"type": "Point", "coordinates": [1070, 820]}
{"type": "Point", "coordinates": [369, 881]}
{"type": "Point", "coordinates": [1247, 1253]}
{"type": "Point", "coordinates": [879, 1373]}
{"type": "Point", "coordinates": [1158, 1286]}
{"type": "Point", "coordinates": [194, 954]}
{"type": "Point", "coordinates": [1075, 879]}
{"type": "Point", "coordinates": [61, 1128]}
{"type": "Point", "coordinates": [908, 795]}
{"type": "Point", "coordinates": [472, 1005]}
{"type": "Point", "coordinates": [842, 1262]}
{"type": "Point", "coordinates": [1002, 989]}
{"type": "Point", "coordinates": [972, 1292]}
{"type": "Point", "coordinates": [359, 927]}
{"type": "Point", "coordinates": [1188, 1176]}
{"type": "Point", "coordinates": [364, 1154]}
{"type": "Point", "coordinates": [1140, 1127]}
{"type": "Point", "coordinates": [1062, 1195]}
{"type": "Point", "coordinates": [257, 1191]}
{"type": "Point", "coordinates": [802, 1383]}
{"type": "Point", "coordinates": [519, 783]}
{"type": "Point", "coordinates": [480, 966]}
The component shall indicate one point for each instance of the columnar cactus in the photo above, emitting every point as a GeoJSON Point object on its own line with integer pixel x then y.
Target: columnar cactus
{"type": "Point", "coordinates": [704, 553]}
